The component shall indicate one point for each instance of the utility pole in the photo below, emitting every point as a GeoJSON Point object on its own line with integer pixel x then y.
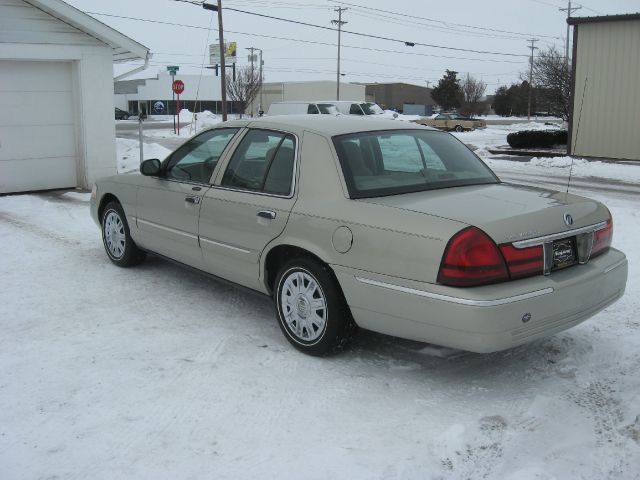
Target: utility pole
{"type": "Point", "coordinates": [223, 67]}
{"type": "Point", "coordinates": [252, 58]}
{"type": "Point", "coordinates": [223, 77]}
{"type": "Point", "coordinates": [532, 47]}
{"type": "Point", "coordinates": [569, 11]}
{"type": "Point", "coordinates": [261, 62]}
{"type": "Point", "coordinates": [339, 23]}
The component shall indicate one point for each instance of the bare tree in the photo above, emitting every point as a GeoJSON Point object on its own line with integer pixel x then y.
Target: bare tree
{"type": "Point", "coordinates": [552, 80]}
{"type": "Point", "coordinates": [472, 90]}
{"type": "Point", "coordinates": [244, 88]}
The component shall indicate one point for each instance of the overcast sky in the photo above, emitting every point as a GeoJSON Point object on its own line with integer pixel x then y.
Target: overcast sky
{"type": "Point", "coordinates": [308, 53]}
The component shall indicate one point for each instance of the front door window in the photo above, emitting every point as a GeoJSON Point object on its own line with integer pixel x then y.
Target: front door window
{"type": "Point", "coordinates": [195, 161]}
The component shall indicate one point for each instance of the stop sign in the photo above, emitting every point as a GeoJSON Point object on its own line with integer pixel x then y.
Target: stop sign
{"type": "Point", "coordinates": [178, 87]}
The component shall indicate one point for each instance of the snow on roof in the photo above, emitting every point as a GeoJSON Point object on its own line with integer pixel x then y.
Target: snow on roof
{"type": "Point", "coordinates": [124, 48]}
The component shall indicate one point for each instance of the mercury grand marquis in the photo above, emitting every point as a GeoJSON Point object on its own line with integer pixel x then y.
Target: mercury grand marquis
{"type": "Point", "coordinates": [384, 225]}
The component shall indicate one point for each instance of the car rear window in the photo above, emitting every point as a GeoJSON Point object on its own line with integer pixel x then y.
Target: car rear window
{"type": "Point", "coordinates": [402, 161]}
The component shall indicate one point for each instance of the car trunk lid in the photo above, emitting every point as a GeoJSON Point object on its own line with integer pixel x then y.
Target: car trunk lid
{"type": "Point", "coordinates": [506, 212]}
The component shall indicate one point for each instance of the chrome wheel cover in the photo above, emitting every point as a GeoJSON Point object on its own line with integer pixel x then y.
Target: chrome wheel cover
{"type": "Point", "coordinates": [303, 305]}
{"type": "Point", "coordinates": [114, 236]}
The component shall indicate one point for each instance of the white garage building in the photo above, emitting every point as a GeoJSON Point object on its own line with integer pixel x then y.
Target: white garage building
{"type": "Point", "coordinates": [57, 126]}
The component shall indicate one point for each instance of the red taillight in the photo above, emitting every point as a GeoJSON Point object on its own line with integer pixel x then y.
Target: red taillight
{"type": "Point", "coordinates": [470, 259]}
{"type": "Point", "coordinates": [602, 239]}
{"type": "Point", "coordinates": [523, 262]}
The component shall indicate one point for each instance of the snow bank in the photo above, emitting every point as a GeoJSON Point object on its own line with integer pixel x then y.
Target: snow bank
{"type": "Point", "coordinates": [206, 119]}
{"type": "Point", "coordinates": [391, 115]}
{"type": "Point", "coordinates": [581, 168]}
{"type": "Point", "coordinates": [128, 154]}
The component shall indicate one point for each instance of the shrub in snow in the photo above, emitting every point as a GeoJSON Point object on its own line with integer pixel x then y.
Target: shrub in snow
{"type": "Point", "coordinates": [537, 138]}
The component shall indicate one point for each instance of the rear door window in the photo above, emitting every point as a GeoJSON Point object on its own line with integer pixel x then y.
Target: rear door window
{"type": "Point", "coordinates": [263, 162]}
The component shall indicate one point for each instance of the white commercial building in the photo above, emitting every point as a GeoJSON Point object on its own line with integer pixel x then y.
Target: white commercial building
{"type": "Point", "coordinates": [57, 126]}
{"type": "Point", "coordinates": [605, 98]}
{"type": "Point", "coordinates": [313, 90]}
{"type": "Point", "coordinates": [204, 93]}
{"type": "Point", "coordinates": [156, 97]}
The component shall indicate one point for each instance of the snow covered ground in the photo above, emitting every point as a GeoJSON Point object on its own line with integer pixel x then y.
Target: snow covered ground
{"type": "Point", "coordinates": [156, 372]}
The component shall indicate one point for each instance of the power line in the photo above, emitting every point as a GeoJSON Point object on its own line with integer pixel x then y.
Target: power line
{"type": "Point", "coordinates": [312, 42]}
{"type": "Point", "coordinates": [377, 37]}
{"type": "Point", "coordinates": [423, 26]}
{"type": "Point", "coordinates": [366, 7]}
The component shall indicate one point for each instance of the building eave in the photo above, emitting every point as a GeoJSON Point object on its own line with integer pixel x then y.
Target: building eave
{"type": "Point", "coordinates": [603, 18]}
{"type": "Point", "coordinates": [125, 49]}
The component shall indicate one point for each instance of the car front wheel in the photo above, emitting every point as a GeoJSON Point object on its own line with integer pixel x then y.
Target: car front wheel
{"type": "Point", "coordinates": [311, 308]}
{"type": "Point", "coordinates": [459, 128]}
{"type": "Point", "coordinates": [117, 241]}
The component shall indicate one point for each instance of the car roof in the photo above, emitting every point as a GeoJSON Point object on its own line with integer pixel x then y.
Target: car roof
{"type": "Point", "coordinates": [328, 125]}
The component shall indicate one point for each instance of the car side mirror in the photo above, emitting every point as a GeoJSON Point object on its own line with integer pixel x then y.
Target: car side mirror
{"type": "Point", "coordinates": [395, 115]}
{"type": "Point", "coordinates": [150, 168]}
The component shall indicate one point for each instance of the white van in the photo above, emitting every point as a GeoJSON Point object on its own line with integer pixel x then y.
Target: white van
{"type": "Point", "coordinates": [300, 108]}
{"type": "Point", "coordinates": [358, 108]}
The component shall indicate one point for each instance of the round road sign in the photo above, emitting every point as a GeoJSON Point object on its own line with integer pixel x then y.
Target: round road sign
{"type": "Point", "coordinates": [178, 87]}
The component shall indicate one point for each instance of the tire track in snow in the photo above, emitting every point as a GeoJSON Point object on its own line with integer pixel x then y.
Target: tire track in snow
{"type": "Point", "coordinates": [37, 231]}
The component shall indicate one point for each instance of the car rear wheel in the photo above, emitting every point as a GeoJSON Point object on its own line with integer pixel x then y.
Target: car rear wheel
{"type": "Point", "coordinates": [459, 128]}
{"type": "Point", "coordinates": [311, 308]}
{"type": "Point", "coordinates": [120, 247]}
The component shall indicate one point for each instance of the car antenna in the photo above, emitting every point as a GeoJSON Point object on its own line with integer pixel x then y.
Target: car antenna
{"type": "Point", "coordinates": [584, 91]}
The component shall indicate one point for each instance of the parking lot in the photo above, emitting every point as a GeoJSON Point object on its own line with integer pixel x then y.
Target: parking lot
{"type": "Point", "coordinates": [158, 372]}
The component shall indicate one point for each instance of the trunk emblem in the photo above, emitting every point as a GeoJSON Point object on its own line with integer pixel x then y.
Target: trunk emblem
{"type": "Point", "coordinates": [568, 219]}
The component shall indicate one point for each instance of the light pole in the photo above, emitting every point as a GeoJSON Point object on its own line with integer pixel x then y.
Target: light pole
{"type": "Point", "coordinates": [252, 59]}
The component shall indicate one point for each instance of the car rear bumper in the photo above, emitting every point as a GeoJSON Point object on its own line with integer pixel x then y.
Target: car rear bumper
{"type": "Point", "coordinates": [484, 319]}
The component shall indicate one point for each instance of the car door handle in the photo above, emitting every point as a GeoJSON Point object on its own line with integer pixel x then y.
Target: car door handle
{"type": "Point", "coordinates": [267, 214]}
{"type": "Point", "coordinates": [194, 200]}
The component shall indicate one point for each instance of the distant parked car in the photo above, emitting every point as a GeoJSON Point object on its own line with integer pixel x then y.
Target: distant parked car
{"type": "Point", "coordinates": [300, 108]}
{"type": "Point", "coordinates": [121, 114]}
{"type": "Point", "coordinates": [358, 108]}
{"type": "Point", "coordinates": [452, 121]}
{"type": "Point", "coordinates": [346, 221]}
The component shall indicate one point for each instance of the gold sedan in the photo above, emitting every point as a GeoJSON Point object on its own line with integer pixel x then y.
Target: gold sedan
{"type": "Point", "coordinates": [452, 121]}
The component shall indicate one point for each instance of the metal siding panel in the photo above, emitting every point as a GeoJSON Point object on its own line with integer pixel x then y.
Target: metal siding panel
{"type": "Point", "coordinates": [607, 57]}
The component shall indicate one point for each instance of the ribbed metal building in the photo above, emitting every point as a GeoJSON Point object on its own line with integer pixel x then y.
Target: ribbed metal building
{"type": "Point", "coordinates": [605, 89]}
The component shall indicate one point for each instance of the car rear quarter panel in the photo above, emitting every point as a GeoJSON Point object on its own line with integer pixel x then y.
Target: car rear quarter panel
{"type": "Point", "coordinates": [384, 240]}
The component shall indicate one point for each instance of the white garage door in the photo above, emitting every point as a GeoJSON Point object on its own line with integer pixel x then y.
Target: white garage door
{"type": "Point", "coordinates": [37, 129]}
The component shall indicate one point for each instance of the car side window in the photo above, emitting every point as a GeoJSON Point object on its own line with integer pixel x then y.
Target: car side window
{"type": "Point", "coordinates": [195, 160]}
{"type": "Point", "coordinates": [263, 162]}
{"type": "Point", "coordinates": [312, 109]}
{"type": "Point", "coordinates": [355, 109]}
{"type": "Point", "coordinates": [441, 117]}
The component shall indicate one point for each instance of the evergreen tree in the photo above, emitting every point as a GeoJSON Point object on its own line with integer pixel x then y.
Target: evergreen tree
{"type": "Point", "coordinates": [448, 92]}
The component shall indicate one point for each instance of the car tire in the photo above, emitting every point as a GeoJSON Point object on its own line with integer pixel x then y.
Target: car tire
{"type": "Point", "coordinates": [125, 117]}
{"type": "Point", "coordinates": [311, 309]}
{"type": "Point", "coordinates": [120, 247]}
{"type": "Point", "coordinates": [458, 128]}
